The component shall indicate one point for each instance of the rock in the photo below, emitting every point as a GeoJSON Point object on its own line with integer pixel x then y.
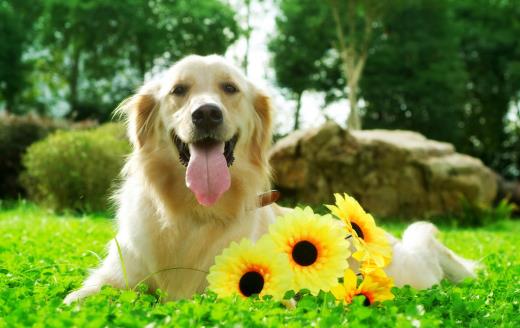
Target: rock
{"type": "Point", "coordinates": [509, 190]}
{"type": "Point", "coordinates": [391, 173]}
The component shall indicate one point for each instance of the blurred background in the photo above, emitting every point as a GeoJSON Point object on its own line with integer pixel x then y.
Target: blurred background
{"type": "Point", "coordinates": [348, 75]}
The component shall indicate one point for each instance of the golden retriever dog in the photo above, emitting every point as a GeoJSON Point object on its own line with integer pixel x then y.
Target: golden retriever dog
{"type": "Point", "coordinates": [201, 133]}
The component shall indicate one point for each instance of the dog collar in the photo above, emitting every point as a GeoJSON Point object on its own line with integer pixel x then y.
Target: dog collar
{"type": "Point", "coordinates": [268, 198]}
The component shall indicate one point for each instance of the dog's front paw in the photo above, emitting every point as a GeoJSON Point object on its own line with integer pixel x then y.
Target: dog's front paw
{"type": "Point", "coordinates": [79, 294]}
{"type": "Point", "coordinates": [72, 297]}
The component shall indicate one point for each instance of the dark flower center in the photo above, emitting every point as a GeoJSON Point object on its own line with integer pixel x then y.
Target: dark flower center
{"type": "Point", "coordinates": [304, 253]}
{"type": "Point", "coordinates": [358, 230]}
{"type": "Point", "coordinates": [251, 283]}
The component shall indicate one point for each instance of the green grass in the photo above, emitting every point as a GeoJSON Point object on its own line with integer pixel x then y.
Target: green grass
{"type": "Point", "coordinates": [43, 256]}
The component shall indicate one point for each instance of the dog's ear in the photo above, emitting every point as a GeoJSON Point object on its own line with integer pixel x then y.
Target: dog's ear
{"type": "Point", "coordinates": [262, 135]}
{"type": "Point", "coordinates": [140, 111]}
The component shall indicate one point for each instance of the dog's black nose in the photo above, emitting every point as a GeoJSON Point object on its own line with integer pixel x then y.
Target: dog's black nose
{"type": "Point", "coordinates": [207, 117]}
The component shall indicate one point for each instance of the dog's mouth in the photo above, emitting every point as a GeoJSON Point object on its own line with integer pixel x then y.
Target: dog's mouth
{"type": "Point", "coordinates": [184, 148]}
{"type": "Point", "coordinates": [207, 164]}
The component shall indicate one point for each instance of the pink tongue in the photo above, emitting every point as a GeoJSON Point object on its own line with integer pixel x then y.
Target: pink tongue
{"type": "Point", "coordinates": [207, 175]}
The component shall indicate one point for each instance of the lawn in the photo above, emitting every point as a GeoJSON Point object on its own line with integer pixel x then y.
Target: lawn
{"type": "Point", "coordinates": [43, 256]}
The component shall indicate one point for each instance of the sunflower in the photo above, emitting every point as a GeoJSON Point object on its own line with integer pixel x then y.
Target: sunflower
{"type": "Point", "coordinates": [370, 241]}
{"type": "Point", "coordinates": [370, 268]}
{"type": "Point", "coordinates": [315, 246]}
{"type": "Point", "coordinates": [247, 269]}
{"type": "Point", "coordinates": [376, 287]}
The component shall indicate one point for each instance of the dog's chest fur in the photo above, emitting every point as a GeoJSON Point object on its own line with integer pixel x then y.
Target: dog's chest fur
{"type": "Point", "coordinates": [183, 249]}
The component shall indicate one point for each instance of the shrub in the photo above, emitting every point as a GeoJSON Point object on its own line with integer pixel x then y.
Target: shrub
{"type": "Point", "coordinates": [474, 215]}
{"type": "Point", "coordinates": [16, 134]}
{"type": "Point", "coordinates": [74, 170]}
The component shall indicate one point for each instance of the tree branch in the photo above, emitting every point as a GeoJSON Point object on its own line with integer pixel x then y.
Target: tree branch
{"type": "Point", "coordinates": [352, 19]}
{"type": "Point", "coordinates": [339, 28]}
{"type": "Point", "coordinates": [367, 35]}
{"type": "Point", "coordinates": [343, 50]}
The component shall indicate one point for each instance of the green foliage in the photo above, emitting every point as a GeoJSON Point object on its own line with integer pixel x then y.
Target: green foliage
{"type": "Point", "coordinates": [12, 79]}
{"type": "Point", "coordinates": [511, 148]}
{"type": "Point", "coordinates": [45, 256]}
{"type": "Point", "coordinates": [293, 67]}
{"type": "Point", "coordinates": [414, 78]}
{"type": "Point", "coordinates": [330, 58]}
{"type": "Point", "coordinates": [16, 134]}
{"type": "Point", "coordinates": [296, 70]}
{"type": "Point", "coordinates": [17, 26]}
{"type": "Point", "coordinates": [449, 69]}
{"type": "Point", "coordinates": [88, 55]}
{"type": "Point", "coordinates": [491, 54]}
{"type": "Point", "coordinates": [175, 28]}
{"type": "Point", "coordinates": [474, 215]}
{"type": "Point", "coordinates": [75, 169]}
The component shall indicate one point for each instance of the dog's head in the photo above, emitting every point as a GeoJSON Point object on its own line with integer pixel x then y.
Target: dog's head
{"type": "Point", "coordinates": [213, 124]}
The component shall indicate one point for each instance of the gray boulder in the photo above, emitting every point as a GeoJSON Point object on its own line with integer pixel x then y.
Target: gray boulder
{"type": "Point", "coordinates": [391, 173]}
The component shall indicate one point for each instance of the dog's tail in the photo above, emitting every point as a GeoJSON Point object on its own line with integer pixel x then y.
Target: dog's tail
{"type": "Point", "coordinates": [455, 267]}
{"type": "Point", "coordinates": [420, 260]}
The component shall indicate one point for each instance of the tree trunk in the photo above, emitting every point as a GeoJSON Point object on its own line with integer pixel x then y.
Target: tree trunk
{"type": "Point", "coordinates": [354, 119]}
{"type": "Point", "coordinates": [297, 112]}
{"type": "Point", "coordinates": [353, 55]}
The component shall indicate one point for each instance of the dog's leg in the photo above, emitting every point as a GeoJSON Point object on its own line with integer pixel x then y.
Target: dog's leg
{"type": "Point", "coordinates": [455, 267]}
{"type": "Point", "coordinates": [414, 266]}
{"type": "Point", "coordinates": [421, 261]}
{"type": "Point", "coordinates": [110, 272]}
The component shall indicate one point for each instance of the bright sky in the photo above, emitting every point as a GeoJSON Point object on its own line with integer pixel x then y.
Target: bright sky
{"type": "Point", "coordinates": [261, 73]}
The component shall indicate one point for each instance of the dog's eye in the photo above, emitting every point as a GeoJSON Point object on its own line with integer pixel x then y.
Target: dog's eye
{"type": "Point", "coordinates": [229, 88]}
{"type": "Point", "coordinates": [180, 90]}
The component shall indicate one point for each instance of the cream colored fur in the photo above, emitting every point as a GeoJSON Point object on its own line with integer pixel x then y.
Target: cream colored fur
{"type": "Point", "coordinates": [160, 224]}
